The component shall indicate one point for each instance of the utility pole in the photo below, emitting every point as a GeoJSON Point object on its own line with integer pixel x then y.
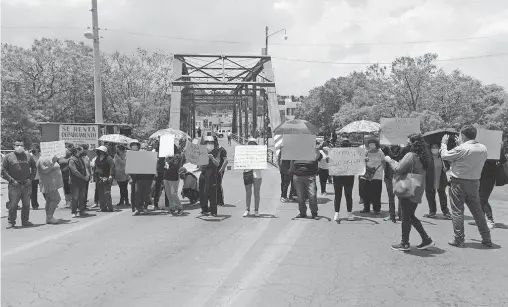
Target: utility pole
{"type": "Point", "coordinates": [266, 40]}
{"type": "Point", "coordinates": [97, 67]}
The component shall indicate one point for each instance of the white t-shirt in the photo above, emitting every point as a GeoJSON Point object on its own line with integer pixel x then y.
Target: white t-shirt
{"type": "Point", "coordinates": [322, 163]}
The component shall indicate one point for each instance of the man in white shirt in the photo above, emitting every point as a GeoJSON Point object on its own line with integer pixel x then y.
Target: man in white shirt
{"type": "Point", "coordinates": [467, 162]}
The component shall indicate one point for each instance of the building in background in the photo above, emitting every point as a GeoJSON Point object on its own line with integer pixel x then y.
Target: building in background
{"type": "Point", "coordinates": [288, 106]}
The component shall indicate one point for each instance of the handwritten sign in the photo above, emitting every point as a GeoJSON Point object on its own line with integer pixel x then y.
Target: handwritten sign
{"type": "Point", "coordinates": [493, 140]}
{"type": "Point", "coordinates": [167, 146]}
{"type": "Point", "coordinates": [394, 131]}
{"type": "Point", "coordinates": [51, 149]}
{"type": "Point", "coordinates": [299, 147]}
{"type": "Point", "coordinates": [141, 162]}
{"type": "Point", "coordinates": [80, 134]}
{"type": "Point", "coordinates": [346, 161]}
{"type": "Point", "coordinates": [196, 154]}
{"type": "Point", "coordinates": [250, 157]}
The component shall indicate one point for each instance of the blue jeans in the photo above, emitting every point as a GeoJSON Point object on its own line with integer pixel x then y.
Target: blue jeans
{"type": "Point", "coordinates": [17, 193]}
{"type": "Point", "coordinates": [306, 187]}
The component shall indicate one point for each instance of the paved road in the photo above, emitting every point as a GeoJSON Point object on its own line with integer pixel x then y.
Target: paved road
{"type": "Point", "coordinates": [116, 259]}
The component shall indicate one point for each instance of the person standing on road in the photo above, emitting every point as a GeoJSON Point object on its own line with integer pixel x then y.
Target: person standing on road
{"type": "Point", "coordinates": [417, 161]}
{"type": "Point", "coordinates": [286, 179]}
{"type": "Point", "coordinates": [77, 180]}
{"type": "Point", "coordinates": [36, 153]}
{"type": "Point", "coordinates": [387, 151]}
{"type": "Point", "coordinates": [86, 160]}
{"type": "Point", "coordinates": [467, 161]}
{"type": "Point", "coordinates": [223, 156]}
{"type": "Point", "coordinates": [229, 138]}
{"type": "Point", "coordinates": [436, 181]}
{"type": "Point", "coordinates": [252, 179]}
{"type": "Point", "coordinates": [66, 173]}
{"type": "Point", "coordinates": [346, 183]}
{"type": "Point", "coordinates": [172, 180]}
{"type": "Point", "coordinates": [105, 172]}
{"type": "Point", "coordinates": [208, 179]}
{"type": "Point", "coordinates": [373, 186]}
{"type": "Point", "coordinates": [50, 181]}
{"type": "Point", "coordinates": [18, 168]}
{"type": "Point", "coordinates": [323, 172]}
{"type": "Point", "coordinates": [140, 187]}
{"type": "Point", "coordinates": [120, 176]}
{"type": "Point", "coordinates": [159, 180]}
{"type": "Point", "coordinates": [305, 173]}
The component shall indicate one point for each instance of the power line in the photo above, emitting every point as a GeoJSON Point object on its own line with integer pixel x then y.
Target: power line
{"type": "Point", "coordinates": [388, 63]}
{"type": "Point", "coordinates": [272, 44]}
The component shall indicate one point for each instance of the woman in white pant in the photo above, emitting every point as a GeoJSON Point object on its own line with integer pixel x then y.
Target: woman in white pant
{"type": "Point", "coordinates": [252, 180]}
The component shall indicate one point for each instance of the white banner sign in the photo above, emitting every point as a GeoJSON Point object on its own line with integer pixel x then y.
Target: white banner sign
{"type": "Point", "coordinates": [250, 157]}
{"type": "Point", "coordinates": [141, 162]}
{"type": "Point", "coordinates": [346, 161]}
{"type": "Point", "coordinates": [51, 149]}
{"type": "Point", "coordinates": [493, 140]}
{"type": "Point", "coordinates": [167, 146]}
{"type": "Point", "coordinates": [394, 131]}
{"type": "Point", "coordinates": [80, 134]}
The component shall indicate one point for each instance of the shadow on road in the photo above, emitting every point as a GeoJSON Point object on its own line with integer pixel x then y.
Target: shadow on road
{"type": "Point", "coordinates": [359, 219]}
{"type": "Point", "coordinates": [195, 206]}
{"type": "Point", "coordinates": [26, 227]}
{"type": "Point", "coordinates": [322, 201]}
{"type": "Point", "coordinates": [153, 213]}
{"type": "Point", "coordinates": [228, 206]}
{"type": "Point", "coordinates": [478, 245]}
{"type": "Point", "coordinates": [179, 215]}
{"type": "Point", "coordinates": [263, 216]}
{"type": "Point", "coordinates": [426, 253]}
{"type": "Point", "coordinates": [219, 218]}
{"type": "Point", "coordinates": [500, 226]}
{"type": "Point", "coordinates": [87, 216]}
{"type": "Point", "coordinates": [382, 214]}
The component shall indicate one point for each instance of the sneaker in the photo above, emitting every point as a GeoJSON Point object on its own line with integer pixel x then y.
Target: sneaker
{"type": "Point", "coordinates": [10, 225]}
{"type": "Point", "coordinates": [360, 202]}
{"type": "Point", "coordinates": [27, 224]}
{"type": "Point", "coordinates": [95, 205]}
{"type": "Point", "coordinates": [74, 215]}
{"type": "Point", "coordinates": [52, 221]}
{"type": "Point", "coordinates": [431, 216]}
{"type": "Point", "coordinates": [490, 224]}
{"type": "Point", "coordinates": [246, 213]}
{"type": "Point", "coordinates": [426, 244]}
{"type": "Point", "coordinates": [256, 213]}
{"type": "Point", "coordinates": [283, 200]}
{"type": "Point", "coordinates": [364, 211]}
{"type": "Point", "coordinates": [214, 214]}
{"type": "Point", "coordinates": [336, 217]}
{"type": "Point", "coordinates": [136, 213]}
{"type": "Point", "coordinates": [301, 216]}
{"type": "Point", "coordinates": [203, 213]}
{"type": "Point", "coordinates": [404, 247]}
{"type": "Point", "coordinates": [456, 243]}
{"type": "Point", "coordinates": [179, 211]}
{"type": "Point", "coordinates": [391, 218]}
{"type": "Point", "coordinates": [314, 215]}
{"type": "Point", "coordinates": [323, 194]}
{"type": "Point", "coordinates": [487, 243]}
{"type": "Point", "coordinates": [447, 216]}
{"type": "Point", "coordinates": [350, 216]}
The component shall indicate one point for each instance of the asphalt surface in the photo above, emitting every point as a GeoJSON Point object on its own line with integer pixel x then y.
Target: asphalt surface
{"type": "Point", "coordinates": [116, 259]}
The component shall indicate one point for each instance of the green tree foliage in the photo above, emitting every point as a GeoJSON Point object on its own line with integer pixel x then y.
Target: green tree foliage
{"type": "Point", "coordinates": [52, 81]}
{"type": "Point", "coordinates": [414, 87]}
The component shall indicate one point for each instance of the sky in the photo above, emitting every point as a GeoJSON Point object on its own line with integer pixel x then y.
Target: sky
{"type": "Point", "coordinates": [337, 31]}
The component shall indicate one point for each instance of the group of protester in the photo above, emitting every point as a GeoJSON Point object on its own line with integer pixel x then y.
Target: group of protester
{"type": "Point", "coordinates": [26, 172]}
{"type": "Point", "coordinates": [459, 163]}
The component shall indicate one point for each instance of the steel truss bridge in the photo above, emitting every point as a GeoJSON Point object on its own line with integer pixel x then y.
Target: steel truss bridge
{"type": "Point", "coordinates": [236, 80]}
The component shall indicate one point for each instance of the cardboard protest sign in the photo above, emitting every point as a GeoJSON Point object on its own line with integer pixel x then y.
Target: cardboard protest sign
{"type": "Point", "coordinates": [196, 154]}
{"type": "Point", "coordinates": [167, 146]}
{"type": "Point", "coordinates": [141, 162]}
{"type": "Point", "coordinates": [250, 157]}
{"type": "Point", "coordinates": [299, 147]}
{"type": "Point", "coordinates": [493, 140]}
{"type": "Point", "coordinates": [51, 149]}
{"type": "Point", "coordinates": [394, 131]}
{"type": "Point", "coordinates": [346, 161]}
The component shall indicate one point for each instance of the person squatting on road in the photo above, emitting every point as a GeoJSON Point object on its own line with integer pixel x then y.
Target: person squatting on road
{"type": "Point", "coordinates": [140, 186]}
{"type": "Point", "coordinates": [77, 180]}
{"type": "Point", "coordinates": [120, 176]}
{"type": "Point", "coordinates": [467, 161]}
{"type": "Point", "coordinates": [18, 168]}
{"type": "Point", "coordinates": [208, 179]}
{"type": "Point", "coordinates": [171, 180]}
{"type": "Point", "coordinates": [417, 161]}
{"type": "Point", "coordinates": [223, 156]}
{"type": "Point", "coordinates": [305, 182]}
{"type": "Point", "coordinates": [105, 172]}
{"type": "Point", "coordinates": [50, 182]}
{"type": "Point", "coordinates": [346, 183]}
{"type": "Point", "coordinates": [190, 185]}
{"type": "Point", "coordinates": [252, 180]}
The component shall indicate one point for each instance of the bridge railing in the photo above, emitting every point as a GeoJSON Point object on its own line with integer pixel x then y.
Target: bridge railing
{"type": "Point", "coordinates": [270, 154]}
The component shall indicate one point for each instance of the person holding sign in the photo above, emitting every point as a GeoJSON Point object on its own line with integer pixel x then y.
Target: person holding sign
{"type": "Point", "coordinates": [346, 183]}
{"type": "Point", "coordinates": [208, 179]}
{"type": "Point", "coordinates": [140, 186]}
{"type": "Point", "coordinates": [417, 161]}
{"type": "Point", "coordinates": [252, 179]}
{"type": "Point", "coordinates": [373, 177]}
{"type": "Point", "coordinates": [172, 179]}
{"type": "Point", "coordinates": [305, 173]}
{"type": "Point", "coordinates": [467, 162]}
{"type": "Point", "coordinates": [105, 172]}
{"type": "Point", "coordinates": [50, 181]}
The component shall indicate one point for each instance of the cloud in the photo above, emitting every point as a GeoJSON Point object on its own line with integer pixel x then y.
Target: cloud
{"type": "Point", "coordinates": [321, 30]}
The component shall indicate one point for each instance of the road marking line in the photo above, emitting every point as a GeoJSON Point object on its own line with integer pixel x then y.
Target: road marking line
{"type": "Point", "coordinates": [59, 235]}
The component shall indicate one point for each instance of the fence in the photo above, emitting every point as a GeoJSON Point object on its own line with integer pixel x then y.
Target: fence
{"type": "Point", "coordinates": [270, 154]}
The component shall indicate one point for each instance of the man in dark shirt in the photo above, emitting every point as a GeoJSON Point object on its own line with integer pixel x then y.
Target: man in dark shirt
{"type": "Point", "coordinates": [19, 169]}
{"type": "Point", "coordinates": [286, 179]}
{"type": "Point", "coordinates": [223, 156]}
{"type": "Point", "coordinates": [77, 180]}
{"type": "Point", "coordinates": [487, 183]}
{"type": "Point", "coordinates": [208, 180]}
{"type": "Point", "coordinates": [305, 181]}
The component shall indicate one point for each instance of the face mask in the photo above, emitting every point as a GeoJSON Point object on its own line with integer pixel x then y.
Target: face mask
{"type": "Point", "coordinates": [19, 149]}
{"type": "Point", "coordinates": [372, 146]}
{"type": "Point", "coordinates": [435, 151]}
{"type": "Point", "coordinates": [210, 147]}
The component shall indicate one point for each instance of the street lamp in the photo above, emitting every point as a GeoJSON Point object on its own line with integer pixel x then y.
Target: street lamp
{"type": "Point", "coordinates": [268, 35]}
